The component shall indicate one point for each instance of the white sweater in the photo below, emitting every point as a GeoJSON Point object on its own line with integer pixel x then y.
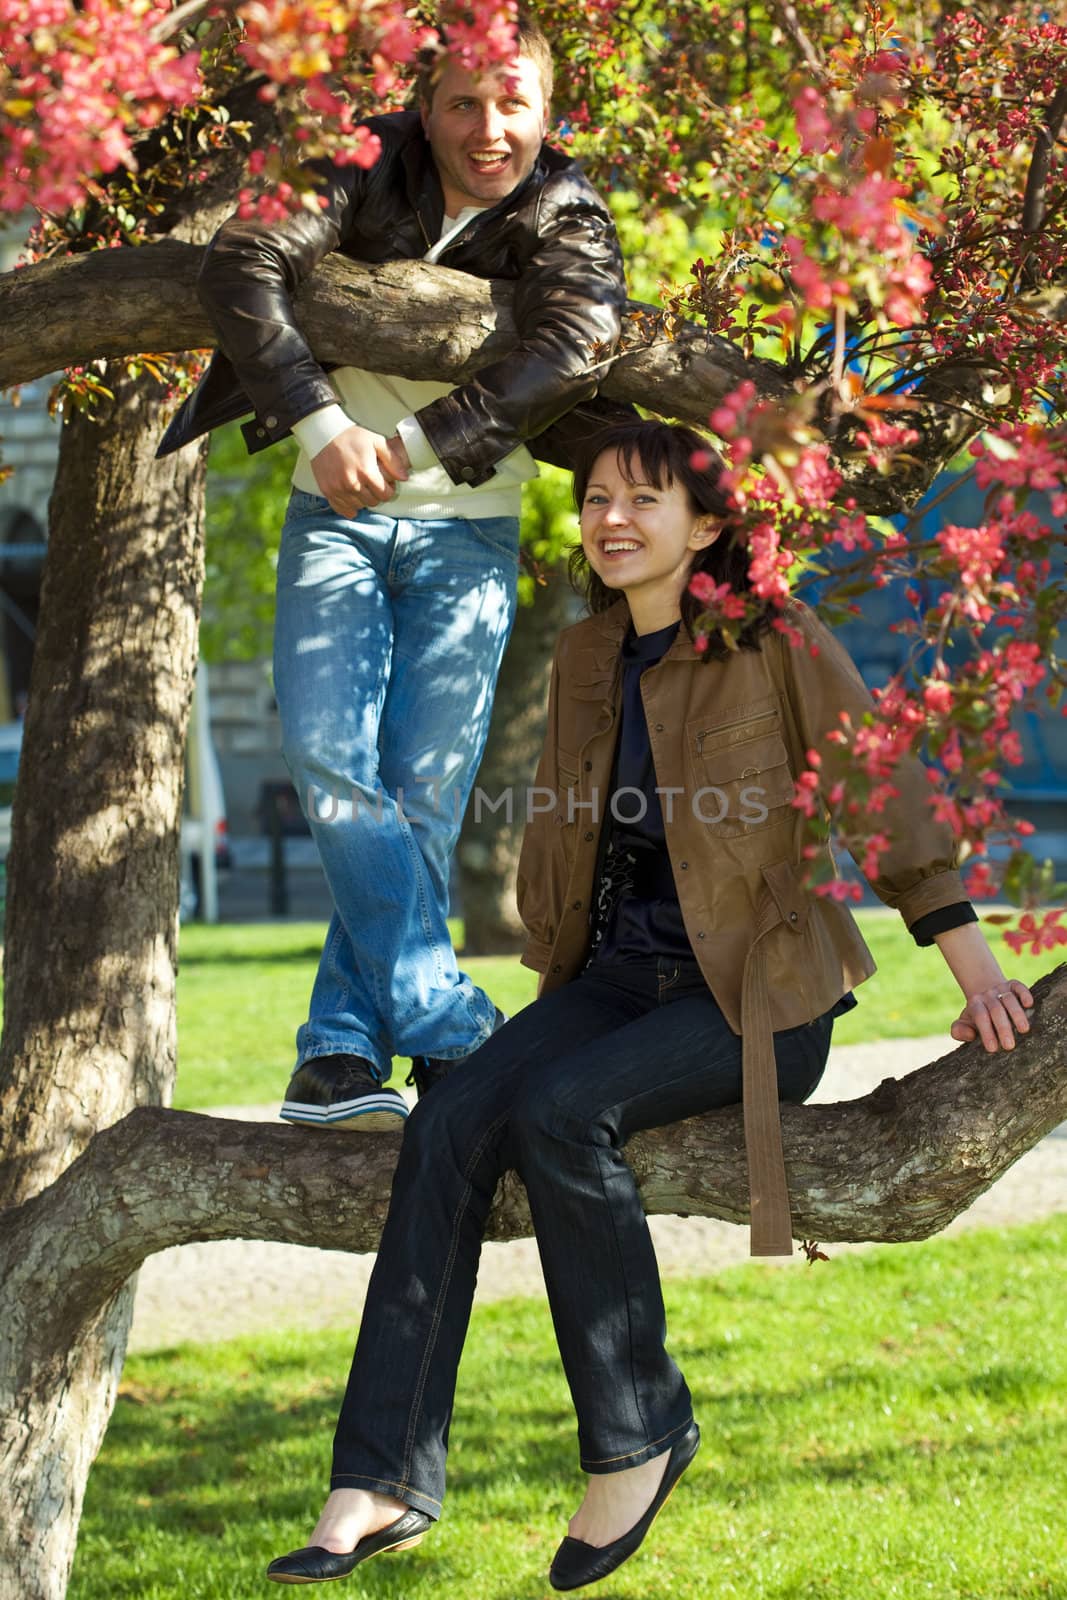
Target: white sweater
{"type": "Point", "coordinates": [386, 404]}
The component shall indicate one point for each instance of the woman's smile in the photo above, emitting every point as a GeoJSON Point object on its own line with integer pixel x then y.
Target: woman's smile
{"type": "Point", "coordinates": [641, 537]}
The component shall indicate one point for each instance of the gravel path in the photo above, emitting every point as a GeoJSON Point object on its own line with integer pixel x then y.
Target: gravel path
{"type": "Point", "coordinates": [239, 1287]}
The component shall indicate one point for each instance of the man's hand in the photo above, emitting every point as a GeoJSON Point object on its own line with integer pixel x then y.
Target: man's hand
{"type": "Point", "coordinates": [359, 470]}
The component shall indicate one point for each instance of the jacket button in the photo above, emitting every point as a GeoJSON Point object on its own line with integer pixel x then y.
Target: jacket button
{"type": "Point", "coordinates": [577, 906]}
{"type": "Point", "coordinates": [588, 837]}
{"type": "Point", "coordinates": [557, 967]}
{"type": "Point", "coordinates": [261, 433]}
{"type": "Point", "coordinates": [700, 935]}
{"type": "Point", "coordinates": [685, 866]}
{"type": "Point", "coordinates": [659, 727]}
{"type": "Point", "coordinates": [588, 766]}
{"type": "Point", "coordinates": [793, 917]}
{"type": "Point", "coordinates": [272, 422]}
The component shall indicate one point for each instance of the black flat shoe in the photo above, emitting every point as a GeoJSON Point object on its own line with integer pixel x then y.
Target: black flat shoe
{"type": "Point", "coordinates": [313, 1564]}
{"type": "Point", "coordinates": [576, 1563]}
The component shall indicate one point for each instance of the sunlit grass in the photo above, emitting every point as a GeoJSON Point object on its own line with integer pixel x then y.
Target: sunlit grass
{"type": "Point", "coordinates": [887, 1424]}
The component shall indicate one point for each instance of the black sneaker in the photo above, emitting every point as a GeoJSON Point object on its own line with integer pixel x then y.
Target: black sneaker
{"type": "Point", "coordinates": [342, 1092]}
{"type": "Point", "coordinates": [428, 1071]}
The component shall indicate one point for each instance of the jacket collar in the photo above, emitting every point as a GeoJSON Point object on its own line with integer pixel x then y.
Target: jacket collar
{"type": "Point", "coordinates": [611, 625]}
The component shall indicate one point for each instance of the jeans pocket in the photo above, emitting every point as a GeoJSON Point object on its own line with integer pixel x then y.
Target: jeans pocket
{"type": "Point", "coordinates": [501, 534]}
{"type": "Point", "coordinates": [303, 504]}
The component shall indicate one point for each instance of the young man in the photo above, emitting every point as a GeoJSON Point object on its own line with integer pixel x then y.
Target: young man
{"type": "Point", "coordinates": [397, 566]}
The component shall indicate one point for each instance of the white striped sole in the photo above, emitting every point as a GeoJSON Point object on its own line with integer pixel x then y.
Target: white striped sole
{"type": "Point", "coordinates": [370, 1113]}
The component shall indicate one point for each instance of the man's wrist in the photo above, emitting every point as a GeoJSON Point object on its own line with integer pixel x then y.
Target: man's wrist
{"type": "Point", "coordinates": [420, 452]}
{"type": "Point", "coordinates": [320, 428]}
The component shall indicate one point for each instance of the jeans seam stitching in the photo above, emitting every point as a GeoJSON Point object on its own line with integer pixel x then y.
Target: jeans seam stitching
{"type": "Point", "coordinates": [371, 1477]}
{"type": "Point", "coordinates": [446, 1280]}
{"type": "Point", "coordinates": [602, 1461]}
{"type": "Point", "coordinates": [624, 1275]}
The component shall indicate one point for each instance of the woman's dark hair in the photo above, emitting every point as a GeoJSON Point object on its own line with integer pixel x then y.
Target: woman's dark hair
{"type": "Point", "coordinates": [667, 454]}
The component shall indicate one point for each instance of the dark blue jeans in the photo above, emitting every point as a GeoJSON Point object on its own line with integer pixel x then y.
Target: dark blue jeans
{"type": "Point", "coordinates": [554, 1095]}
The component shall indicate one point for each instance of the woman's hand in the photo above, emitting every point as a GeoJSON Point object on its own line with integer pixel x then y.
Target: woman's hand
{"type": "Point", "coordinates": [995, 1015]}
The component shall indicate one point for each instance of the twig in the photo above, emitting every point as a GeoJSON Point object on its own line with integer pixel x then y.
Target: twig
{"type": "Point", "coordinates": [175, 20]}
{"type": "Point", "coordinates": [792, 24]}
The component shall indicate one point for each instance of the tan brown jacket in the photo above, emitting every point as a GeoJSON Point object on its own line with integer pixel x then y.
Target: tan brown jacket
{"type": "Point", "coordinates": [774, 955]}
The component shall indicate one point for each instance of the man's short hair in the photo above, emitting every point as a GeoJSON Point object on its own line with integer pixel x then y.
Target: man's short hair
{"type": "Point", "coordinates": [531, 43]}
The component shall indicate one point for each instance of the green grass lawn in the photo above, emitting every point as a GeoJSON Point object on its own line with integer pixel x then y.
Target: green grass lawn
{"type": "Point", "coordinates": [887, 1424]}
{"type": "Point", "coordinates": [243, 990]}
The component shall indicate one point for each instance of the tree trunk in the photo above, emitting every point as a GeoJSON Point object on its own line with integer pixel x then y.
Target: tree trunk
{"type": "Point", "coordinates": [89, 961]}
{"type": "Point", "coordinates": [488, 852]}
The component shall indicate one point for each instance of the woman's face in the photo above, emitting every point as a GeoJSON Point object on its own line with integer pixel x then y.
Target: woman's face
{"type": "Point", "coordinates": [639, 538]}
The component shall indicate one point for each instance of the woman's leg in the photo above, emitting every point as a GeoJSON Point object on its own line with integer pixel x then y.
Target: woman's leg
{"type": "Point", "coordinates": [674, 1061]}
{"type": "Point", "coordinates": [392, 1432]}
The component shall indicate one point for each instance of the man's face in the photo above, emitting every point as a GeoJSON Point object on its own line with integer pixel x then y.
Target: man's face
{"type": "Point", "coordinates": [485, 132]}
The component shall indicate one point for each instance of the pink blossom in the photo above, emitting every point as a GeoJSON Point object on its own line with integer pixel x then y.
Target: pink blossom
{"type": "Point", "coordinates": [807, 276]}
{"type": "Point", "coordinates": [867, 211]}
{"type": "Point", "coordinates": [813, 122]}
{"type": "Point", "coordinates": [909, 284]}
{"type": "Point", "coordinates": [1043, 935]}
{"type": "Point", "coordinates": [938, 698]}
{"type": "Point", "coordinates": [815, 481]}
{"type": "Point", "coordinates": [839, 889]}
{"type": "Point", "coordinates": [719, 598]}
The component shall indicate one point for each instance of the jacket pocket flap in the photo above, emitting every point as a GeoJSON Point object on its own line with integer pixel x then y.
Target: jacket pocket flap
{"type": "Point", "coordinates": [752, 760]}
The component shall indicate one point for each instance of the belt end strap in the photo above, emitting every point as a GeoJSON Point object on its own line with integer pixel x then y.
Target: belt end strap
{"type": "Point", "coordinates": [771, 1226]}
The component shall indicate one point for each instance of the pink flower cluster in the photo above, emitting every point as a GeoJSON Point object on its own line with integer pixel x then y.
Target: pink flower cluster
{"type": "Point", "coordinates": [306, 39]}
{"type": "Point", "coordinates": [1043, 935]}
{"type": "Point", "coordinates": [873, 254]}
{"type": "Point", "coordinates": [1029, 457]}
{"type": "Point", "coordinates": [78, 82]}
{"type": "Point", "coordinates": [977, 553]}
{"type": "Point", "coordinates": [867, 211]}
{"type": "Point", "coordinates": [722, 601]}
{"type": "Point", "coordinates": [883, 440]}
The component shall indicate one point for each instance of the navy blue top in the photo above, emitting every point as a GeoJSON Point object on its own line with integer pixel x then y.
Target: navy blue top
{"type": "Point", "coordinates": [636, 915]}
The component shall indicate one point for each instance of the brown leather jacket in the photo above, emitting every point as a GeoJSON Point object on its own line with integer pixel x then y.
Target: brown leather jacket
{"type": "Point", "coordinates": [774, 954]}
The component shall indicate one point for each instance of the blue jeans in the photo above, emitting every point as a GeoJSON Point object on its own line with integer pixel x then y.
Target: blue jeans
{"type": "Point", "coordinates": [554, 1094]}
{"type": "Point", "coordinates": [388, 640]}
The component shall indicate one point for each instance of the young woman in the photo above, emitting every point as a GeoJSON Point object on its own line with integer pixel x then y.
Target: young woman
{"type": "Point", "coordinates": [677, 947]}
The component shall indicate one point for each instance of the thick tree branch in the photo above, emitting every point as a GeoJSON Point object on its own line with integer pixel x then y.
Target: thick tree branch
{"type": "Point", "coordinates": [423, 321]}
{"type": "Point", "coordinates": [898, 1164]}
{"type": "Point", "coordinates": [1033, 215]}
{"type": "Point", "coordinates": [405, 317]}
{"type": "Point", "coordinates": [1041, 161]}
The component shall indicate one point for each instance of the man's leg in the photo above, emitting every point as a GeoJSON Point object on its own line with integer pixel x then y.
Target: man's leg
{"type": "Point", "coordinates": [453, 585]}
{"type": "Point", "coordinates": [332, 655]}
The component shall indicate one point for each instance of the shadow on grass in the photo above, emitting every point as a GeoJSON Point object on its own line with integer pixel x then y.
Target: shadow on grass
{"type": "Point", "coordinates": [251, 958]}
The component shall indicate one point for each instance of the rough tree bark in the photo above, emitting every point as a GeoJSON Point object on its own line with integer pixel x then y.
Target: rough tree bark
{"type": "Point", "coordinates": [488, 851]}
{"type": "Point", "coordinates": [423, 321]}
{"type": "Point", "coordinates": [91, 943]}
